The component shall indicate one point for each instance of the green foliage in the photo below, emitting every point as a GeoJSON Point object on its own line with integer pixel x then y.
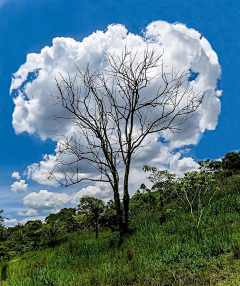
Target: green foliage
{"type": "Point", "coordinates": [109, 217]}
{"type": "Point", "coordinates": [158, 253]}
{"type": "Point", "coordinates": [164, 185]}
{"type": "Point", "coordinates": [17, 240]}
{"type": "Point", "coordinates": [3, 231]}
{"type": "Point", "coordinates": [1, 217]}
{"type": "Point", "coordinates": [231, 161]}
{"type": "Point", "coordinates": [226, 166]}
{"type": "Point", "coordinates": [53, 233]}
{"type": "Point", "coordinates": [65, 219]}
{"type": "Point", "coordinates": [146, 200]}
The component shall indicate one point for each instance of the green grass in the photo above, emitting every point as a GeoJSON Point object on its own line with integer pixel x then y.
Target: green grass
{"type": "Point", "coordinates": [159, 252]}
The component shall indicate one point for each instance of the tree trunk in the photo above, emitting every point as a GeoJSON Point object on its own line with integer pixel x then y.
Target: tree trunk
{"type": "Point", "coordinates": [96, 228]}
{"type": "Point", "coordinates": [119, 212]}
{"type": "Point", "coordinates": [126, 198]}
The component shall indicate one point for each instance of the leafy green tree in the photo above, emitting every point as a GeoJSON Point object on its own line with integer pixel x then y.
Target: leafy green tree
{"type": "Point", "coordinates": [163, 183]}
{"type": "Point", "coordinates": [21, 238]}
{"type": "Point", "coordinates": [226, 166]}
{"type": "Point", "coordinates": [210, 165]}
{"type": "Point", "coordinates": [93, 209]}
{"type": "Point", "coordinates": [109, 217]}
{"type": "Point", "coordinates": [52, 233]}
{"type": "Point", "coordinates": [143, 200]}
{"type": "Point", "coordinates": [32, 230]}
{"type": "Point", "coordinates": [58, 226]}
{"type": "Point", "coordinates": [17, 240]}
{"type": "Point", "coordinates": [65, 218]}
{"type": "Point", "coordinates": [231, 162]}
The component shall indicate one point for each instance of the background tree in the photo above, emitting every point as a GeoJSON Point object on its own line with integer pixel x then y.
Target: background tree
{"type": "Point", "coordinates": [163, 182]}
{"type": "Point", "coordinates": [33, 233]}
{"type": "Point", "coordinates": [2, 227]}
{"type": "Point", "coordinates": [58, 226]}
{"type": "Point", "coordinates": [210, 165]}
{"type": "Point", "coordinates": [93, 209]}
{"type": "Point", "coordinates": [65, 218]}
{"type": "Point", "coordinates": [52, 233]}
{"type": "Point", "coordinates": [227, 166]}
{"type": "Point", "coordinates": [143, 200]}
{"type": "Point", "coordinates": [109, 217]}
{"type": "Point", "coordinates": [17, 239]}
{"type": "Point", "coordinates": [1, 217]}
{"type": "Point", "coordinates": [113, 118]}
{"type": "Point", "coordinates": [231, 162]}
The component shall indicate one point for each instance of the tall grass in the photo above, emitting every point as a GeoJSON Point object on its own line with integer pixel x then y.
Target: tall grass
{"type": "Point", "coordinates": [159, 252]}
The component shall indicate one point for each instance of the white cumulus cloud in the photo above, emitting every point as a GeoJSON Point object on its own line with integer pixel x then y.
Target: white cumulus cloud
{"type": "Point", "coordinates": [19, 186]}
{"type": "Point", "coordinates": [16, 175]}
{"type": "Point", "coordinates": [10, 222]}
{"type": "Point", "coordinates": [49, 201]}
{"type": "Point", "coordinates": [45, 200]}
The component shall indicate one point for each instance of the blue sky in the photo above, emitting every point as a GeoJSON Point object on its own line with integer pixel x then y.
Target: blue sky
{"type": "Point", "coordinates": [28, 26]}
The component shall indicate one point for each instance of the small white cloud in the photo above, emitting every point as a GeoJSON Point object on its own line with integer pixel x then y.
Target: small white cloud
{"type": "Point", "coordinates": [25, 220]}
{"type": "Point", "coordinates": [181, 166]}
{"type": "Point", "coordinates": [10, 222]}
{"type": "Point", "coordinates": [45, 200]}
{"type": "Point", "coordinates": [19, 186]}
{"type": "Point", "coordinates": [39, 172]}
{"type": "Point", "coordinates": [101, 191]}
{"type": "Point", "coordinates": [16, 175]}
{"type": "Point", "coordinates": [30, 212]}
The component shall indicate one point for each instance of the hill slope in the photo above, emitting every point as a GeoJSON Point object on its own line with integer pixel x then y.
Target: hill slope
{"type": "Point", "coordinates": [163, 250]}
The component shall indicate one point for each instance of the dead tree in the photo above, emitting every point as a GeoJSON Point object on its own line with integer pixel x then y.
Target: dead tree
{"type": "Point", "coordinates": [113, 116]}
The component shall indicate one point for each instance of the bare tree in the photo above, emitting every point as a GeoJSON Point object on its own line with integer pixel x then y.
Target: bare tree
{"type": "Point", "coordinates": [113, 116]}
{"type": "Point", "coordinates": [196, 191]}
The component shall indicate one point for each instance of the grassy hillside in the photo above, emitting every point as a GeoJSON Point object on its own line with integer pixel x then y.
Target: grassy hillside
{"type": "Point", "coordinates": [162, 250]}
